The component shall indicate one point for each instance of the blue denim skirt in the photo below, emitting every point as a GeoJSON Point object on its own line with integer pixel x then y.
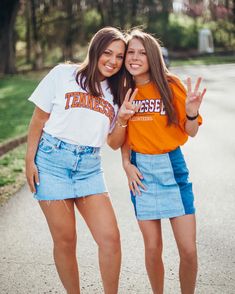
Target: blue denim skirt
{"type": "Point", "coordinates": [168, 191]}
{"type": "Point", "coordinates": [67, 170]}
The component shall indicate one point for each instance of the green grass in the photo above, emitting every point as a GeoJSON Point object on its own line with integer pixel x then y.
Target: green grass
{"type": "Point", "coordinates": [12, 172]}
{"type": "Point", "coordinates": [210, 59]}
{"type": "Point", "coordinates": [11, 164]}
{"type": "Point", "coordinates": [15, 110]}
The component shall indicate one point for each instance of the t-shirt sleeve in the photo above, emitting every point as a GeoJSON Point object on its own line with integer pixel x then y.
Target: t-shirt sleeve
{"type": "Point", "coordinates": [44, 94]}
{"type": "Point", "coordinates": [112, 125]}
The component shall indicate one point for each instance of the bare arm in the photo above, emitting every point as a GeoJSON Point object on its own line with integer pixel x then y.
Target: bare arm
{"type": "Point", "coordinates": [134, 176]}
{"type": "Point", "coordinates": [126, 111]}
{"type": "Point", "coordinates": [191, 127]}
{"type": "Point", "coordinates": [118, 135]}
{"type": "Point", "coordinates": [36, 125]}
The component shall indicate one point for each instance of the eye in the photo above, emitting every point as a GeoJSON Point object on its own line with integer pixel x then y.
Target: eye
{"type": "Point", "coordinates": [130, 51]}
{"type": "Point", "coordinates": [107, 52]}
{"type": "Point", "coordinates": [143, 53]}
{"type": "Point", "coordinates": [120, 57]}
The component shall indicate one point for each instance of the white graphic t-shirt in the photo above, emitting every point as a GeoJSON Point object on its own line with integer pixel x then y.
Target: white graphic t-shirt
{"type": "Point", "coordinates": [76, 116]}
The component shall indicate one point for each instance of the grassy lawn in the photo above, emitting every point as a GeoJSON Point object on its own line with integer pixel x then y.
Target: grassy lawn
{"type": "Point", "coordinates": [15, 110]}
{"type": "Point", "coordinates": [210, 59]}
{"type": "Point", "coordinates": [11, 172]}
{"type": "Point", "coordinates": [15, 114]}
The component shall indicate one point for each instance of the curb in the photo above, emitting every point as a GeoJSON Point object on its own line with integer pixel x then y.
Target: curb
{"type": "Point", "coordinates": [8, 146]}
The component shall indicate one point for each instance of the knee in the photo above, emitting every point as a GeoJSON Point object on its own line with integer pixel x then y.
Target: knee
{"type": "Point", "coordinates": [110, 241]}
{"type": "Point", "coordinates": [65, 242]}
{"type": "Point", "coordinates": [153, 251]}
{"type": "Point", "coordinates": [188, 254]}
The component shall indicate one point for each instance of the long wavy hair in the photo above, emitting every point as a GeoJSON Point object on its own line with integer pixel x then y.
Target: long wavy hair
{"type": "Point", "coordinates": [159, 74]}
{"type": "Point", "coordinates": [88, 74]}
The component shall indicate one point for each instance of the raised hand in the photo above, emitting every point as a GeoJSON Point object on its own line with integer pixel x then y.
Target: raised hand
{"type": "Point", "coordinates": [127, 109]}
{"type": "Point", "coordinates": [194, 98]}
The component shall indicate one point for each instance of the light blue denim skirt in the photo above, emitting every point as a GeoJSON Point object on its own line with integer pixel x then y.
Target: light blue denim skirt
{"type": "Point", "coordinates": [67, 170]}
{"type": "Point", "coordinates": [168, 191]}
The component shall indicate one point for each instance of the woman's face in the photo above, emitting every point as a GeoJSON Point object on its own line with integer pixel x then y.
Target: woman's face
{"type": "Point", "coordinates": [136, 61]}
{"type": "Point", "coordinates": [111, 59]}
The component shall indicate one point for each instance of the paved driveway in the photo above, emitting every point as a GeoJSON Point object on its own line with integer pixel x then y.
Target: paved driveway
{"type": "Point", "coordinates": [26, 264]}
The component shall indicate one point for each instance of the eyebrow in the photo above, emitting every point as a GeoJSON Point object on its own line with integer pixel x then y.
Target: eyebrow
{"type": "Point", "coordinates": [140, 49]}
{"type": "Point", "coordinates": [112, 51]}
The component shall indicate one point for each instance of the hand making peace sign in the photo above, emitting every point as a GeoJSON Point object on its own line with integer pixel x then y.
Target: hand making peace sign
{"type": "Point", "coordinates": [194, 98]}
{"type": "Point", "coordinates": [127, 109]}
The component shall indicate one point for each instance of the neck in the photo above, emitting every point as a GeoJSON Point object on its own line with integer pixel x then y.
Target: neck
{"type": "Point", "coordinates": [142, 80]}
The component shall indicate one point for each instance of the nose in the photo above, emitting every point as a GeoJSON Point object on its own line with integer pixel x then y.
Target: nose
{"type": "Point", "coordinates": [135, 56]}
{"type": "Point", "coordinates": [113, 59]}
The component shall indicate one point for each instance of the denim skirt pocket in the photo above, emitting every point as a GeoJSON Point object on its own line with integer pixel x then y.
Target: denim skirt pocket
{"type": "Point", "coordinates": [45, 146]}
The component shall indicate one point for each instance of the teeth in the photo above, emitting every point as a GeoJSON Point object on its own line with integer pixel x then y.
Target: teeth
{"type": "Point", "coordinates": [135, 65]}
{"type": "Point", "coordinates": [109, 67]}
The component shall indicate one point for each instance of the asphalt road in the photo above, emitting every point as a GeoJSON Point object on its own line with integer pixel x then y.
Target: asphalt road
{"type": "Point", "coordinates": [26, 264]}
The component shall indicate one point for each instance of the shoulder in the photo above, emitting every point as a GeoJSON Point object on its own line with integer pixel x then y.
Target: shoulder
{"type": "Point", "coordinates": [176, 85]}
{"type": "Point", "coordinates": [178, 89]}
{"type": "Point", "coordinates": [65, 68]}
{"type": "Point", "coordinates": [62, 72]}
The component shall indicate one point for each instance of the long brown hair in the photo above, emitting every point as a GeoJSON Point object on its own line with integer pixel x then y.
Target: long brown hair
{"type": "Point", "coordinates": [159, 73]}
{"type": "Point", "coordinates": [88, 74]}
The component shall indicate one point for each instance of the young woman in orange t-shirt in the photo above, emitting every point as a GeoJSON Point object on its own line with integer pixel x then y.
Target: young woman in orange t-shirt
{"type": "Point", "coordinates": [155, 167]}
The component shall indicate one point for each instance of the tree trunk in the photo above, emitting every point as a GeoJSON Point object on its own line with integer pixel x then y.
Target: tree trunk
{"type": "Point", "coordinates": [8, 13]}
{"type": "Point", "coordinates": [105, 9]}
{"type": "Point", "coordinates": [68, 41]}
{"type": "Point", "coordinates": [166, 8]}
{"type": "Point", "coordinates": [28, 33]}
{"type": "Point", "coordinates": [233, 10]}
{"type": "Point", "coordinates": [38, 60]}
{"type": "Point", "coordinates": [134, 7]}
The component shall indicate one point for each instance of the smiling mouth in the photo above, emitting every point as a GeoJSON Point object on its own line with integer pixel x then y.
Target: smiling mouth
{"type": "Point", "coordinates": [109, 68]}
{"type": "Point", "coordinates": [135, 66]}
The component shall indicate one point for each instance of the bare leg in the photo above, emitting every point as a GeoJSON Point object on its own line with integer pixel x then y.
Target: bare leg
{"type": "Point", "coordinates": [184, 228]}
{"type": "Point", "coordinates": [60, 217]}
{"type": "Point", "coordinates": [152, 234]}
{"type": "Point", "coordinates": [98, 213]}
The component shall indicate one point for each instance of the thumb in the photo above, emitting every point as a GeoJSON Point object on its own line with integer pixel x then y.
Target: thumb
{"type": "Point", "coordinates": [36, 177]}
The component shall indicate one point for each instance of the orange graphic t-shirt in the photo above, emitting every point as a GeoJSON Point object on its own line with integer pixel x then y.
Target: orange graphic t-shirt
{"type": "Point", "coordinates": [148, 131]}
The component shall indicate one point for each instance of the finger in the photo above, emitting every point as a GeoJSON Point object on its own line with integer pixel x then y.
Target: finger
{"type": "Point", "coordinates": [130, 184]}
{"type": "Point", "coordinates": [141, 184]}
{"type": "Point", "coordinates": [128, 93]}
{"type": "Point", "coordinates": [139, 174]}
{"type": "Point", "coordinates": [136, 188]}
{"type": "Point", "coordinates": [129, 111]}
{"type": "Point", "coordinates": [133, 107]}
{"type": "Point", "coordinates": [197, 84]}
{"type": "Point", "coordinates": [188, 83]}
{"type": "Point", "coordinates": [203, 93]}
{"type": "Point", "coordinates": [36, 178]}
{"type": "Point", "coordinates": [132, 189]}
{"type": "Point", "coordinates": [194, 97]}
{"type": "Point", "coordinates": [137, 107]}
{"type": "Point", "coordinates": [133, 95]}
{"type": "Point", "coordinates": [32, 185]}
{"type": "Point", "coordinates": [201, 96]}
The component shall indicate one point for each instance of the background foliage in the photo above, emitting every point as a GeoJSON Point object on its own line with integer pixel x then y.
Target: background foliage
{"type": "Point", "coordinates": [43, 32]}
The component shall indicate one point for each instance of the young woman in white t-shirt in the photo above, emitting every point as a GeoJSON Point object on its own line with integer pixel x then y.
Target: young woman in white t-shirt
{"type": "Point", "coordinates": [78, 108]}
